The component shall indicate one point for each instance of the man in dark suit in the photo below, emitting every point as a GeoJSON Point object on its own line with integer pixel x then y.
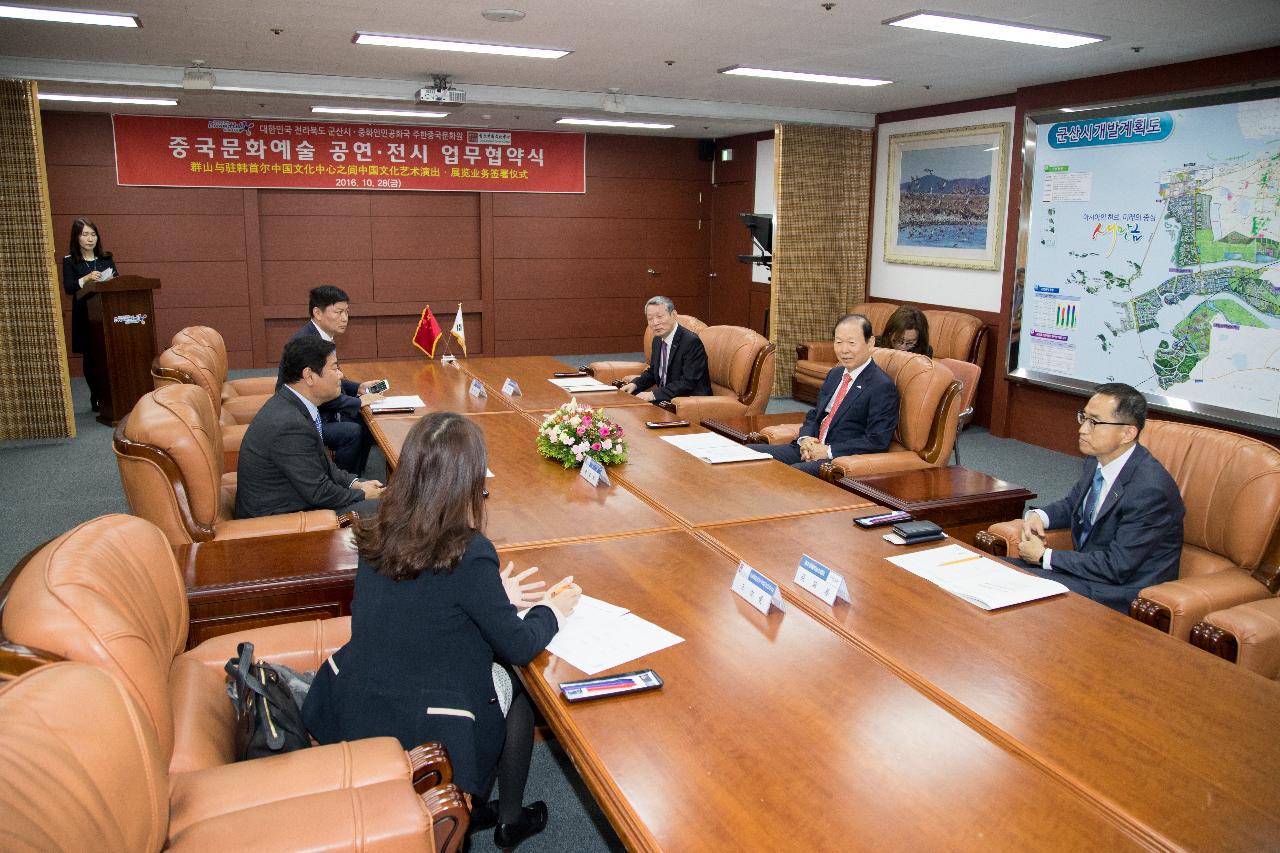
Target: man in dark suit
{"type": "Point", "coordinates": [345, 432]}
{"type": "Point", "coordinates": [283, 465]}
{"type": "Point", "coordinates": [857, 409]}
{"type": "Point", "coordinates": [1125, 511]}
{"type": "Point", "coordinates": [677, 359]}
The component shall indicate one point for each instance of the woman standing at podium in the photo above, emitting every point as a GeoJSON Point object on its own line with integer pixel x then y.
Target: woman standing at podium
{"type": "Point", "coordinates": [434, 630]}
{"type": "Point", "coordinates": [86, 264]}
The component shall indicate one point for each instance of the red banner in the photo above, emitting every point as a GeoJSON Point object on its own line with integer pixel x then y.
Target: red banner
{"type": "Point", "coordinates": [179, 151]}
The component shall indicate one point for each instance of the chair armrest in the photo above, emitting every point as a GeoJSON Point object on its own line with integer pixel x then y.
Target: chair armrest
{"type": "Point", "coordinates": [249, 386]}
{"type": "Point", "coordinates": [1248, 634]}
{"type": "Point", "coordinates": [301, 645]}
{"type": "Point", "coordinates": [232, 438]}
{"type": "Point", "coordinates": [374, 818]}
{"type": "Point", "coordinates": [1182, 603]}
{"type": "Point", "coordinates": [612, 371]}
{"type": "Point", "coordinates": [430, 765]}
{"type": "Point", "coordinates": [776, 434]}
{"type": "Point", "coordinates": [199, 795]}
{"type": "Point", "coordinates": [697, 409]}
{"type": "Point", "coordinates": [242, 409]}
{"type": "Point", "coordinates": [449, 817]}
{"type": "Point", "coordinates": [862, 464]}
{"type": "Point", "coordinates": [1001, 539]}
{"type": "Point", "coordinates": [816, 351]}
{"type": "Point", "coordinates": [270, 525]}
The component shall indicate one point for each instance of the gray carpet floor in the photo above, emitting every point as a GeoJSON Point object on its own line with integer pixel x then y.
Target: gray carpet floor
{"type": "Point", "coordinates": [55, 484]}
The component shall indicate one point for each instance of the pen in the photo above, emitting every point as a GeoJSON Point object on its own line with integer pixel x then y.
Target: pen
{"type": "Point", "coordinates": [963, 560]}
{"type": "Point", "coordinates": [564, 584]}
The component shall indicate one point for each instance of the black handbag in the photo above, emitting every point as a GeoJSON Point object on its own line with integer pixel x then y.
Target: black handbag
{"type": "Point", "coordinates": [268, 719]}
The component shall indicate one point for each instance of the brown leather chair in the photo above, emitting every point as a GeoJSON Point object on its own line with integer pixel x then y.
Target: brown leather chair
{"type": "Point", "coordinates": [1230, 486]}
{"type": "Point", "coordinates": [170, 453]}
{"type": "Point", "coordinates": [625, 371]}
{"type": "Point", "coordinates": [188, 364]}
{"type": "Point", "coordinates": [968, 375]}
{"type": "Point", "coordinates": [203, 360]}
{"type": "Point", "coordinates": [952, 334]}
{"type": "Point", "coordinates": [110, 593]}
{"type": "Point", "coordinates": [83, 770]}
{"type": "Point", "coordinates": [928, 409]}
{"type": "Point", "coordinates": [740, 364]}
{"type": "Point", "coordinates": [1247, 634]}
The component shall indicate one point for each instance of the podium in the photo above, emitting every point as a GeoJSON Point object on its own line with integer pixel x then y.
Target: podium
{"type": "Point", "coordinates": [122, 338]}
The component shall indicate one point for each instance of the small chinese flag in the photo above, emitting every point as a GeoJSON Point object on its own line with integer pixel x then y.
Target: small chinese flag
{"type": "Point", "coordinates": [458, 332]}
{"type": "Point", "coordinates": [428, 333]}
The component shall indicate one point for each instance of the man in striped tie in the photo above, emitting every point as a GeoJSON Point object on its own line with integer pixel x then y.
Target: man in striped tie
{"type": "Point", "coordinates": [677, 359]}
{"type": "Point", "coordinates": [283, 466]}
{"type": "Point", "coordinates": [857, 409]}
{"type": "Point", "coordinates": [1125, 511]}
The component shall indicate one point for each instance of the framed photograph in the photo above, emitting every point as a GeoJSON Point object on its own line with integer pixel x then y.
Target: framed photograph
{"type": "Point", "coordinates": [946, 197]}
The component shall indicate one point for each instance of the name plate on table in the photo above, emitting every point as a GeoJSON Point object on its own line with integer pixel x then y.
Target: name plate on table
{"type": "Point", "coordinates": [449, 359]}
{"type": "Point", "coordinates": [593, 472]}
{"type": "Point", "coordinates": [821, 581]}
{"type": "Point", "coordinates": [476, 389]}
{"type": "Point", "coordinates": [760, 592]}
{"type": "Point", "coordinates": [511, 388]}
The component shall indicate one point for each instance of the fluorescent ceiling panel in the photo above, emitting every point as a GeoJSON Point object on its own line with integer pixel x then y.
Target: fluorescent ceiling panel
{"type": "Point", "coordinates": [803, 76]}
{"type": "Point", "coordinates": [356, 111]}
{"type": "Point", "coordinates": [984, 28]}
{"type": "Point", "coordinates": [458, 46]}
{"type": "Point", "coordinates": [109, 99]}
{"type": "Point", "coordinates": [600, 122]}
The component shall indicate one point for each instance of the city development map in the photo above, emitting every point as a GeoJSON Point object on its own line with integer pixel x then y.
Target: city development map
{"type": "Point", "coordinates": [1153, 255]}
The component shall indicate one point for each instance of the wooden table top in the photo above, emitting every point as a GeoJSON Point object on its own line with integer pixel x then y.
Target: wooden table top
{"type": "Point", "coordinates": [740, 429]}
{"type": "Point", "coordinates": [699, 493]}
{"type": "Point", "coordinates": [442, 387]}
{"type": "Point", "coordinates": [922, 489]}
{"type": "Point", "coordinates": [1178, 743]}
{"type": "Point", "coordinates": [219, 564]}
{"type": "Point", "coordinates": [773, 733]}
{"type": "Point", "coordinates": [537, 394]}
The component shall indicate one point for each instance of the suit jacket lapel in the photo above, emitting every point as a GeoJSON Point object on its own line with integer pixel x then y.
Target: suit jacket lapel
{"type": "Point", "coordinates": [1116, 492]}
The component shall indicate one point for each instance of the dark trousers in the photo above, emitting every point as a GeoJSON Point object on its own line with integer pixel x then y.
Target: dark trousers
{"type": "Point", "coordinates": [790, 454]}
{"type": "Point", "coordinates": [350, 441]}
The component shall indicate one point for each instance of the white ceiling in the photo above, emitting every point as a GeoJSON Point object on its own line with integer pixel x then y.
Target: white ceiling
{"type": "Point", "coordinates": [622, 44]}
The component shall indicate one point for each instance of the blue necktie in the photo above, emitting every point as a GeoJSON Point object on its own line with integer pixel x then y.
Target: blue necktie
{"type": "Point", "coordinates": [319, 428]}
{"type": "Point", "coordinates": [1091, 503]}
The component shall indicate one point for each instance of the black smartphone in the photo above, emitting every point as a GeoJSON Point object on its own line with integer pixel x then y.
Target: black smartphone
{"type": "Point", "coordinates": [379, 387]}
{"type": "Point", "coordinates": [611, 685]}
{"type": "Point", "coordinates": [882, 519]}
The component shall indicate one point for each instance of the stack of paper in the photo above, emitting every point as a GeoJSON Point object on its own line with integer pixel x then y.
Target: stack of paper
{"type": "Point", "coordinates": [714, 448]}
{"type": "Point", "coordinates": [581, 384]}
{"type": "Point", "coordinates": [980, 580]}
{"type": "Point", "coordinates": [600, 636]}
{"type": "Point", "coordinates": [412, 401]}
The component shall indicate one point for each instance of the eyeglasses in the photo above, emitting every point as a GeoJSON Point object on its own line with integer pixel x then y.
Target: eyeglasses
{"type": "Point", "coordinates": [1082, 419]}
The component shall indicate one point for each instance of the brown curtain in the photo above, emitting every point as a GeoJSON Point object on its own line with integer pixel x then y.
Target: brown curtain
{"type": "Point", "coordinates": [822, 183]}
{"type": "Point", "coordinates": [35, 383]}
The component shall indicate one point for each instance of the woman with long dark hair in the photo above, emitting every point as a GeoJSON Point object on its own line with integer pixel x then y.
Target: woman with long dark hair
{"type": "Point", "coordinates": [86, 262]}
{"type": "Point", "coordinates": [431, 614]}
{"type": "Point", "coordinates": [907, 329]}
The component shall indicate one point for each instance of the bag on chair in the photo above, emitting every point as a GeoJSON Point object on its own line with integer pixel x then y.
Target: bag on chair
{"type": "Point", "coordinates": [268, 718]}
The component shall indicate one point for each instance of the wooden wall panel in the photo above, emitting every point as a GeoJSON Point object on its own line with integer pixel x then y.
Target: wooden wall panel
{"type": "Point", "coordinates": [650, 241]}
{"type": "Point", "coordinates": [563, 346]}
{"type": "Point", "coordinates": [531, 319]}
{"type": "Point", "coordinates": [287, 283]}
{"type": "Point", "coordinates": [433, 280]}
{"type": "Point", "coordinates": [644, 157]}
{"type": "Point", "coordinates": [413, 238]}
{"type": "Point", "coordinates": [349, 205]}
{"type": "Point", "coordinates": [730, 290]}
{"type": "Point", "coordinates": [197, 284]}
{"type": "Point", "coordinates": [315, 238]}
{"type": "Point", "coordinates": [559, 278]}
{"type": "Point", "coordinates": [464, 205]}
{"type": "Point", "coordinates": [395, 336]}
{"type": "Point", "coordinates": [615, 198]}
{"type": "Point", "coordinates": [78, 139]}
{"type": "Point", "coordinates": [231, 323]}
{"type": "Point", "coordinates": [92, 187]}
{"type": "Point", "coordinates": [359, 343]}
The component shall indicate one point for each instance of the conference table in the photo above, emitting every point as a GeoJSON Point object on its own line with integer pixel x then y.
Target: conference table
{"type": "Point", "coordinates": [906, 718]}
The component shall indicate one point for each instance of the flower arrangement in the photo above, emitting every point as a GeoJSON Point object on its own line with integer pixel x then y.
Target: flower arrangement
{"type": "Point", "coordinates": [573, 432]}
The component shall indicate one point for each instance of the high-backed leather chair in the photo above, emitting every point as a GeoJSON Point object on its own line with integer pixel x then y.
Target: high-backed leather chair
{"type": "Point", "coordinates": [204, 361]}
{"type": "Point", "coordinates": [928, 409]}
{"type": "Point", "coordinates": [625, 371]}
{"type": "Point", "coordinates": [110, 593]}
{"type": "Point", "coordinates": [187, 363]}
{"type": "Point", "coordinates": [1230, 485]}
{"type": "Point", "coordinates": [83, 770]}
{"type": "Point", "coordinates": [740, 364]}
{"type": "Point", "coordinates": [1247, 634]}
{"type": "Point", "coordinates": [170, 453]}
{"type": "Point", "coordinates": [968, 375]}
{"type": "Point", "coordinates": [952, 334]}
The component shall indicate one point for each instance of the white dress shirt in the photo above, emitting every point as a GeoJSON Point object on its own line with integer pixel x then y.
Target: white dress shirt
{"type": "Point", "coordinates": [1109, 473]}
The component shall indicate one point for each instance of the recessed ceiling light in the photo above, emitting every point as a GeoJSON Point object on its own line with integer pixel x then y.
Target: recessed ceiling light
{"type": "Point", "coordinates": [357, 111]}
{"type": "Point", "coordinates": [109, 99]}
{"type": "Point", "coordinates": [62, 16]}
{"type": "Point", "coordinates": [961, 25]}
{"type": "Point", "coordinates": [600, 122]}
{"type": "Point", "coordinates": [803, 76]}
{"type": "Point", "coordinates": [458, 46]}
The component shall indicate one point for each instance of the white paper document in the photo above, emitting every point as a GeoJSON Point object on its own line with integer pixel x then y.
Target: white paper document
{"type": "Point", "coordinates": [599, 636]}
{"type": "Point", "coordinates": [412, 401]}
{"type": "Point", "coordinates": [714, 448]}
{"type": "Point", "coordinates": [581, 384]}
{"type": "Point", "coordinates": [980, 580]}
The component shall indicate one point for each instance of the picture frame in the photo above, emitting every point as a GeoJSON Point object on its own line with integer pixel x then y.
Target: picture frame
{"type": "Point", "coordinates": [945, 197]}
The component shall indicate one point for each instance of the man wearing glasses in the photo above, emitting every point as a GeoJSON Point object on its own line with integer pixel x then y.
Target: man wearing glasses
{"type": "Point", "coordinates": [1125, 511]}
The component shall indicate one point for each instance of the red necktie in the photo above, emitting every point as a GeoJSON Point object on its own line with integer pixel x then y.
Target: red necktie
{"type": "Point", "coordinates": [835, 406]}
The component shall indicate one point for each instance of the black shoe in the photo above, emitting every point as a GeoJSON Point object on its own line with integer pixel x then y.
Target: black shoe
{"type": "Point", "coordinates": [483, 816]}
{"type": "Point", "coordinates": [533, 819]}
